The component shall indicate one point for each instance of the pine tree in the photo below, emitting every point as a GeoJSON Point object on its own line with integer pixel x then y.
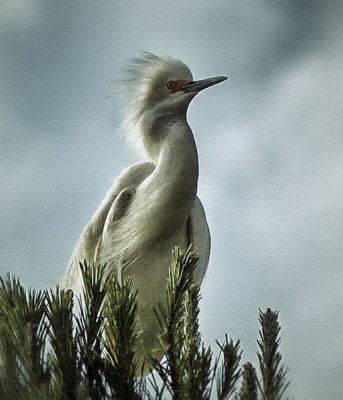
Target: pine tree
{"type": "Point", "coordinates": [91, 351]}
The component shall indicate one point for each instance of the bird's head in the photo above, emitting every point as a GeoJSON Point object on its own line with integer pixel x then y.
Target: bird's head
{"type": "Point", "coordinates": [164, 83]}
{"type": "Point", "coordinates": [158, 86]}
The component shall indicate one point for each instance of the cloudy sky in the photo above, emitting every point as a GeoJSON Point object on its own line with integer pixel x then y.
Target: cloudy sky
{"type": "Point", "coordinates": [270, 144]}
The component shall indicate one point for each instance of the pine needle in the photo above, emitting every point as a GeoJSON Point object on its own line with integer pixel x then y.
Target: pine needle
{"type": "Point", "coordinates": [249, 383]}
{"type": "Point", "coordinates": [120, 364]}
{"type": "Point", "coordinates": [65, 357]}
{"type": "Point", "coordinates": [229, 371]}
{"type": "Point", "coordinates": [274, 383]}
{"type": "Point", "coordinates": [92, 353]}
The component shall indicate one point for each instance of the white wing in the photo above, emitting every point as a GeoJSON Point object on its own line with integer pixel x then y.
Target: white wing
{"type": "Point", "coordinates": [199, 235]}
{"type": "Point", "coordinates": [112, 208]}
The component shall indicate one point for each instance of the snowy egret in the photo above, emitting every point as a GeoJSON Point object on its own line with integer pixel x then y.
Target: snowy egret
{"type": "Point", "coordinates": [152, 206]}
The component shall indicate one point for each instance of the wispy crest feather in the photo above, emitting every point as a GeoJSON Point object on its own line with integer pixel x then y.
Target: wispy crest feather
{"type": "Point", "coordinates": [142, 80]}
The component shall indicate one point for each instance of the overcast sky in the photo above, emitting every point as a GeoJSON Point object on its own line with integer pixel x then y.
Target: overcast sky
{"type": "Point", "coordinates": [270, 144]}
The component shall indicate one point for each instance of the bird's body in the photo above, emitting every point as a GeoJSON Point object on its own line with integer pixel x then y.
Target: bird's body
{"type": "Point", "coordinates": [152, 206]}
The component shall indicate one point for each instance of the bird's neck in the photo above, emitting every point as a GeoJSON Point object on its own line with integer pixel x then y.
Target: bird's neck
{"type": "Point", "coordinates": [155, 126]}
{"type": "Point", "coordinates": [162, 203]}
{"type": "Point", "coordinates": [177, 169]}
{"type": "Point", "coordinates": [175, 178]}
{"type": "Point", "coordinates": [178, 157]}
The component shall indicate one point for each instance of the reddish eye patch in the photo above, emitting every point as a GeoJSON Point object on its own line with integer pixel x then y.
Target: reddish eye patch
{"type": "Point", "coordinates": [174, 86]}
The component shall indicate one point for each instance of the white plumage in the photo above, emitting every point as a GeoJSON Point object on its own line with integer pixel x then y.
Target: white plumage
{"type": "Point", "coordinates": [152, 206]}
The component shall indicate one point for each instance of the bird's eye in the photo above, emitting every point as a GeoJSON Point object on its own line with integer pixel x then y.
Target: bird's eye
{"type": "Point", "coordinates": [170, 85]}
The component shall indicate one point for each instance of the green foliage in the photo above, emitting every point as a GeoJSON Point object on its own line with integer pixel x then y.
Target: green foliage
{"type": "Point", "coordinates": [120, 364]}
{"type": "Point", "coordinates": [248, 389]}
{"type": "Point", "coordinates": [91, 351]}
{"type": "Point", "coordinates": [274, 382]}
{"type": "Point", "coordinates": [23, 337]}
{"type": "Point", "coordinates": [9, 290]}
{"type": "Point", "coordinates": [90, 325]}
{"type": "Point", "coordinates": [64, 359]}
{"type": "Point", "coordinates": [187, 370]}
{"type": "Point", "coordinates": [228, 374]}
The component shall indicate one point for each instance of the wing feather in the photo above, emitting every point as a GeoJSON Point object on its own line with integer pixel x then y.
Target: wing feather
{"type": "Point", "coordinates": [87, 245]}
{"type": "Point", "coordinates": [199, 235]}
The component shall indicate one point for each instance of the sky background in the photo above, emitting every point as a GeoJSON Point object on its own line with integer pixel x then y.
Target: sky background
{"type": "Point", "coordinates": [270, 146]}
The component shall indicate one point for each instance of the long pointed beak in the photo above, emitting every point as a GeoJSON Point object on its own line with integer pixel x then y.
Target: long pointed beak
{"type": "Point", "coordinates": [196, 86]}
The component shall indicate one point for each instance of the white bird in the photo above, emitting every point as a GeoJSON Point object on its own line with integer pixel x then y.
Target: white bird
{"type": "Point", "coordinates": [152, 206]}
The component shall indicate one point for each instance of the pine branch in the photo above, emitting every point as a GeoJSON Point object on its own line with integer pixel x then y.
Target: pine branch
{"type": "Point", "coordinates": [90, 322]}
{"type": "Point", "coordinates": [229, 371]}
{"type": "Point", "coordinates": [197, 359]}
{"type": "Point", "coordinates": [171, 319]}
{"type": "Point", "coordinates": [83, 365]}
{"type": "Point", "coordinates": [26, 330]}
{"type": "Point", "coordinates": [64, 361]}
{"type": "Point", "coordinates": [274, 383]}
{"type": "Point", "coordinates": [186, 372]}
{"type": "Point", "coordinates": [120, 364]}
{"type": "Point", "coordinates": [249, 383]}
{"type": "Point", "coordinates": [10, 385]}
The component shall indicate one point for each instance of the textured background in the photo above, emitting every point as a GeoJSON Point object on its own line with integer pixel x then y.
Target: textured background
{"type": "Point", "coordinates": [270, 145]}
